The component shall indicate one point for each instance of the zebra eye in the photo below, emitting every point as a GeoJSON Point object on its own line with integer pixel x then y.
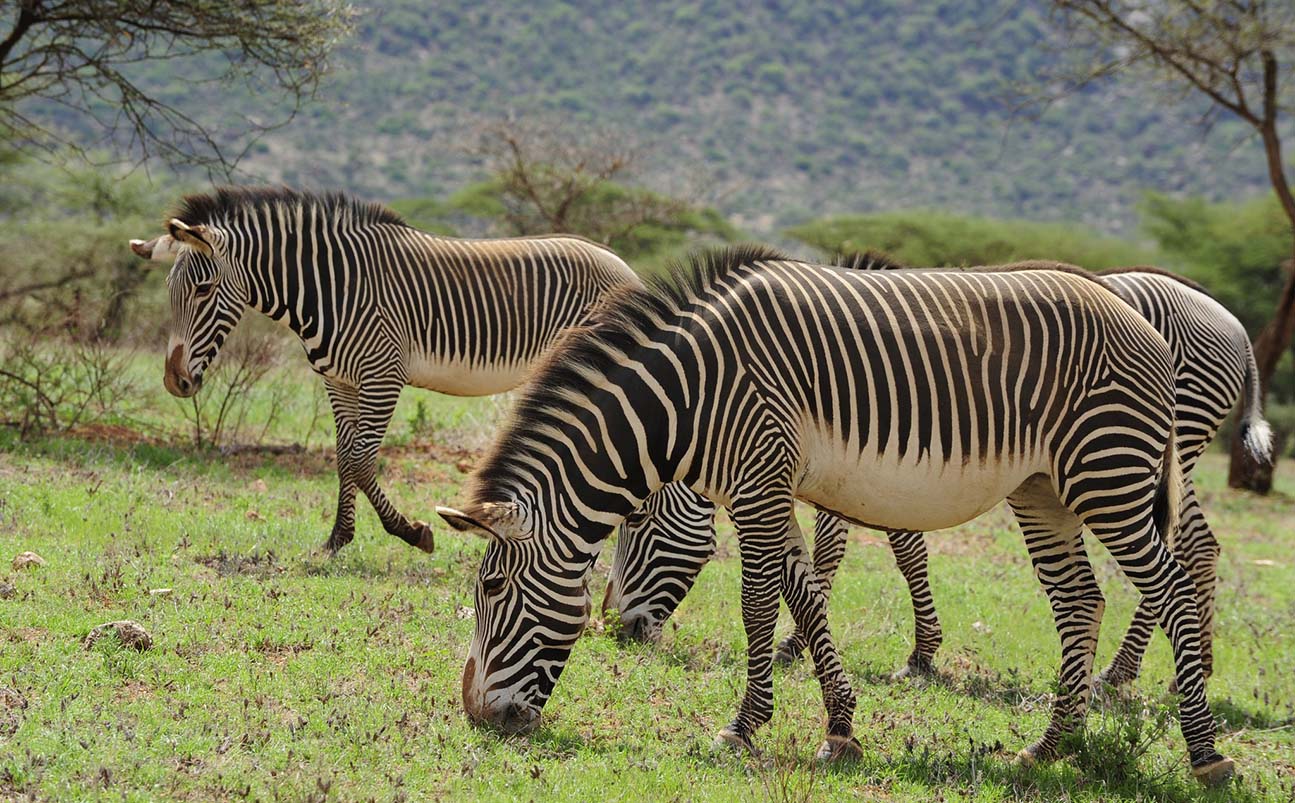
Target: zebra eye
{"type": "Point", "coordinates": [635, 519]}
{"type": "Point", "coordinates": [493, 585]}
{"type": "Point", "coordinates": [203, 289]}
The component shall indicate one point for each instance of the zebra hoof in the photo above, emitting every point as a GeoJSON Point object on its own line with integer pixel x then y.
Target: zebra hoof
{"type": "Point", "coordinates": [729, 739]}
{"type": "Point", "coordinates": [334, 544]}
{"type": "Point", "coordinates": [788, 653]}
{"type": "Point", "coordinates": [917, 667]}
{"type": "Point", "coordinates": [1215, 773]}
{"type": "Point", "coordinates": [423, 539]}
{"type": "Point", "coordinates": [1034, 754]}
{"type": "Point", "coordinates": [837, 749]}
{"type": "Point", "coordinates": [1115, 678]}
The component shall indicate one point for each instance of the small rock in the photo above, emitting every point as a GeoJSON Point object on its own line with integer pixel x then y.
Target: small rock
{"type": "Point", "coordinates": [129, 633]}
{"type": "Point", "coordinates": [159, 592]}
{"type": "Point", "coordinates": [259, 486]}
{"type": "Point", "coordinates": [8, 591]}
{"type": "Point", "coordinates": [25, 560]}
{"type": "Point", "coordinates": [464, 612]}
{"type": "Point", "coordinates": [252, 515]}
{"type": "Point", "coordinates": [464, 466]}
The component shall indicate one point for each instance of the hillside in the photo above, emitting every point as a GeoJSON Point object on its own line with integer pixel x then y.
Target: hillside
{"type": "Point", "coordinates": [774, 111]}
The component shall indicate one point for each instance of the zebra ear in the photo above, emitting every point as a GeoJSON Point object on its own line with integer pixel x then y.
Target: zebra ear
{"type": "Point", "coordinates": [502, 520]}
{"type": "Point", "coordinates": [193, 236]}
{"type": "Point", "coordinates": [158, 249]}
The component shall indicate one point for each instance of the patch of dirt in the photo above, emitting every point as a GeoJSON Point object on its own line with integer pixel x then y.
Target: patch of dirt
{"type": "Point", "coordinates": [280, 654]}
{"type": "Point", "coordinates": [130, 634]}
{"type": "Point", "coordinates": [12, 705]}
{"type": "Point", "coordinates": [109, 433]}
{"type": "Point", "coordinates": [257, 564]}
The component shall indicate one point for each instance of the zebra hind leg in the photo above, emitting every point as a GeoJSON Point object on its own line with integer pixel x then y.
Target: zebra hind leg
{"type": "Point", "coordinates": [1054, 537]}
{"type": "Point", "coordinates": [829, 549]}
{"type": "Point", "coordinates": [1196, 548]}
{"type": "Point", "coordinates": [1169, 592]}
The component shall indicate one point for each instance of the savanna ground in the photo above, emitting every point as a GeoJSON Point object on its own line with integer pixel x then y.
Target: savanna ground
{"type": "Point", "coordinates": [278, 674]}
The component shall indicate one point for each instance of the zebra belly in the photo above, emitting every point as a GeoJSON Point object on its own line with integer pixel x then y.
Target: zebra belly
{"type": "Point", "coordinates": [464, 379]}
{"type": "Point", "coordinates": [892, 493]}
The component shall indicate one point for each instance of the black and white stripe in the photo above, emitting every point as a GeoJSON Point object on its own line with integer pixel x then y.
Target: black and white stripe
{"type": "Point", "coordinates": [1214, 369]}
{"type": "Point", "coordinates": [901, 399]}
{"type": "Point", "coordinates": [377, 305]}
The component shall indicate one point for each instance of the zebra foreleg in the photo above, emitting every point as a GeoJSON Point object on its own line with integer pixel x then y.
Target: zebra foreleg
{"type": "Point", "coordinates": [804, 589]}
{"type": "Point", "coordinates": [762, 538]}
{"type": "Point", "coordinates": [909, 549]}
{"type": "Point", "coordinates": [829, 550]}
{"type": "Point", "coordinates": [377, 404]}
{"type": "Point", "coordinates": [1054, 537]}
{"type": "Point", "coordinates": [345, 403]}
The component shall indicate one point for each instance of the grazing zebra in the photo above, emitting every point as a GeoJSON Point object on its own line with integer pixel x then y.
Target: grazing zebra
{"type": "Point", "coordinates": [1215, 368]}
{"type": "Point", "coordinates": [377, 305]}
{"type": "Point", "coordinates": [756, 380]}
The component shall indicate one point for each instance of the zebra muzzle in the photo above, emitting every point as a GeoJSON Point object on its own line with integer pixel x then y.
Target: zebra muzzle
{"type": "Point", "coordinates": [176, 378]}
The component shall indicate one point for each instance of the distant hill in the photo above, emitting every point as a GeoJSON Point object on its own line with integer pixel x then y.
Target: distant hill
{"type": "Point", "coordinates": [775, 111]}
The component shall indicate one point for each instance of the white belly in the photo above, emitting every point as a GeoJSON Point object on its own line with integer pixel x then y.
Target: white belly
{"type": "Point", "coordinates": [464, 379]}
{"type": "Point", "coordinates": [906, 494]}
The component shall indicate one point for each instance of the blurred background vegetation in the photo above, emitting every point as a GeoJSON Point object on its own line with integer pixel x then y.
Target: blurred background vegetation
{"type": "Point", "coordinates": [879, 124]}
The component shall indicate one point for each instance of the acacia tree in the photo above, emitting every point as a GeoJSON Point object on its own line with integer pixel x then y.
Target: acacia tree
{"type": "Point", "coordinates": [88, 56]}
{"type": "Point", "coordinates": [1237, 54]}
{"type": "Point", "coordinates": [545, 177]}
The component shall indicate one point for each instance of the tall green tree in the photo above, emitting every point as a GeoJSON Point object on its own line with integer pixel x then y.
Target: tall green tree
{"type": "Point", "coordinates": [1238, 55]}
{"type": "Point", "coordinates": [87, 56]}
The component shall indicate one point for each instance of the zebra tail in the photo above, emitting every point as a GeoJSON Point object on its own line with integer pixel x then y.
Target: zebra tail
{"type": "Point", "coordinates": [1169, 494]}
{"type": "Point", "coordinates": [1253, 429]}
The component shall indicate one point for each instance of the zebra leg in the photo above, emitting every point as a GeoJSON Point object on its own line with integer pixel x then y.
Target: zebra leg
{"type": "Point", "coordinates": [345, 403]}
{"type": "Point", "coordinates": [1169, 592]}
{"type": "Point", "coordinates": [1196, 548]}
{"type": "Point", "coordinates": [804, 588]}
{"type": "Point", "coordinates": [762, 544]}
{"type": "Point", "coordinates": [909, 549]}
{"type": "Point", "coordinates": [1054, 537]}
{"type": "Point", "coordinates": [829, 549]}
{"type": "Point", "coordinates": [377, 403]}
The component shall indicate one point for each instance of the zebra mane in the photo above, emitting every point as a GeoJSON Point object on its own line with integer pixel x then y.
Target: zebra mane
{"type": "Point", "coordinates": [866, 260]}
{"type": "Point", "coordinates": [1183, 280]}
{"type": "Point", "coordinates": [224, 202]}
{"type": "Point", "coordinates": [587, 352]}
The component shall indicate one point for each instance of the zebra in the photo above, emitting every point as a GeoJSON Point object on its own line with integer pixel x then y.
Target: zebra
{"type": "Point", "coordinates": [377, 305]}
{"type": "Point", "coordinates": [756, 380]}
{"type": "Point", "coordinates": [1215, 368]}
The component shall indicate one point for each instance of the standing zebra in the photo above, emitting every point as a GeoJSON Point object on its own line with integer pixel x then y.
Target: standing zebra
{"type": "Point", "coordinates": [664, 546]}
{"type": "Point", "coordinates": [757, 380]}
{"type": "Point", "coordinates": [377, 305]}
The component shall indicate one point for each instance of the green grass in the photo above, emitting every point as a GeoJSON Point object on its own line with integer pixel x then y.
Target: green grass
{"type": "Point", "coordinates": [279, 675]}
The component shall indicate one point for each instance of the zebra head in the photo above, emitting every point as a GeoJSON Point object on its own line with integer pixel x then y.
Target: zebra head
{"type": "Point", "coordinates": [207, 299]}
{"type": "Point", "coordinates": [661, 549]}
{"type": "Point", "coordinates": [531, 607]}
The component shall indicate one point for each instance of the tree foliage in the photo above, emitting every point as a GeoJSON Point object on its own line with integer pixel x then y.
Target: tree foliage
{"type": "Point", "coordinates": [544, 178]}
{"type": "Point", "coordinates": [87, 56]}
{"type": "Point", "coordinates": [929, 238]}
{"type": "Point", "coordinates": [1238, 55]}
